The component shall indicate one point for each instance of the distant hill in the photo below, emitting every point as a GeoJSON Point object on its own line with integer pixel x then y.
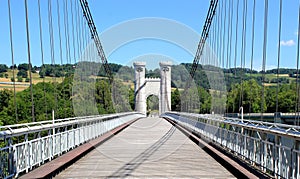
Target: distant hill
{"type": "Point", "coordinates": [179, 73]}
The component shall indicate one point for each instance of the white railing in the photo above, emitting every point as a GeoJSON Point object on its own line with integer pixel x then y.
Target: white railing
{"type": "Point", "coordinates": [272, 148]}
{"type": "Point", "coordinates": [27, 146]}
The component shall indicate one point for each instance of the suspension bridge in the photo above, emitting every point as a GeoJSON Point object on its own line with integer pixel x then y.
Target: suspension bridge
{"type": "Point", "coordinates": [76, 119]}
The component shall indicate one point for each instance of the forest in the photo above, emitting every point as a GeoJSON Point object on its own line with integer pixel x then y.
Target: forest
{"type": "Point", "coordinates": [87, 91]}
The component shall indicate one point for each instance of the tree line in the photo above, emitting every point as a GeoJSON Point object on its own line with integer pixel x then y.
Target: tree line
{"type": "Point", "coordinates": [79, 94]}
{"type": "Point", "coordinates": [59, 97]}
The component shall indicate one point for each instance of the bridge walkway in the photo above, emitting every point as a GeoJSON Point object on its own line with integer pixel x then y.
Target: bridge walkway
{"type": "Point", "coordinates": [150, 147]}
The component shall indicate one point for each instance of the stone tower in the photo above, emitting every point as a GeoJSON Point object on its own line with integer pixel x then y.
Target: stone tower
{"type": "Point", "coordinates": [144, 87]}
{"type": "Point", "coordinates": [139, 87]}
{"type": "Point", "coordinates": [165, 86]}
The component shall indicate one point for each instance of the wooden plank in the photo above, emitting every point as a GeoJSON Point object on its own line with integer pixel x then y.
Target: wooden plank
{"type": "Point", "coordinates": [151, 147]}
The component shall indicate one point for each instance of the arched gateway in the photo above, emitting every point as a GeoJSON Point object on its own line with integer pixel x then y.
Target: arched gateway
{"type": "Point", "coordinates": [160, 87]}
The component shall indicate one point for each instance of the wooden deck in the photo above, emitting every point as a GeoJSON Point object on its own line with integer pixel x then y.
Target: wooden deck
{"type": "Point", "coordinates": [150, 147]}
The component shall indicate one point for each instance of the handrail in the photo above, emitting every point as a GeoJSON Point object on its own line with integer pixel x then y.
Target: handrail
{"type": "Point", "coordinates": [21, 129]}
{"type": "Point", "coordinates": [272, 148]}
{"type": "Point", "coordinates": [275, 128]}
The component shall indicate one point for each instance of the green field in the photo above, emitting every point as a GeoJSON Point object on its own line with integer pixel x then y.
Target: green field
{"type": "Point", "coordinates": [35, 79]}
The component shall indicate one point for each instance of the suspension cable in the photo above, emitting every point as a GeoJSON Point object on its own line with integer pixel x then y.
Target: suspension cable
{"type": "Point", "coordinates": [243, 47]}
{"type": "Point", "coordinates": [214, 32]}
{"type": "Point", "coordinates": [29, 60]}
{"type": "Point", "coordinates": [224, 36]}
{"type": "Point", "coordinates": [42, 56]}
{"type": "Point", "coordinates": [264, 56]}
{"type": "Point", "coordinates": [278, 55]}
{"type": "Point", "coordinates": [80, 20]}
{"type": "Point", "coordinates": [66, 23]}
{"type": "Point", "coordinates": [73, 33]}
{"type": "Point", "coordinates": [252, 47]}
{"type": "Point", "coordinates": [94, 35]}
{"type": "Point", "coordinates": [219, 36]}
{"type": "Point", "coordinates": [236, 36]}
{"type": "Point", "coordinates": [204, 35]}
{"type": "Point", "coordinates": [231, 22]}
{"type": "Point", "coordinates": [59, 32]}
{"type": "Point", "coordinates": [60, 52]}
{"type": "Point", "coordinates": [12, 58]}
{"type": "Point", "coordinates": [228, 35]}
{"type": "Point", "coordinates": [228, 64]}
{"type": "Point", "coordinates": [297, 71]}
{"type": "Point", "coordinates": [77, 30]}
{"type": "Point", "coordinates": [52, 49]}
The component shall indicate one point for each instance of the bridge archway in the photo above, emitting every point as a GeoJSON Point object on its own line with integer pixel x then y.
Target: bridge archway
{"type": "Point", "coordinates": [152, 102]}
{"type": "Point", "coordinates": [160, 87]}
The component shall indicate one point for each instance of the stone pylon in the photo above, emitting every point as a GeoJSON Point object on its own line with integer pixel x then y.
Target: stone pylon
{"type": "Point", "coordinates": [165, 87]}
{"type": "Point", "coordinates": [159, 87]}
{"type": "Point", "coordinates": [139, 87]}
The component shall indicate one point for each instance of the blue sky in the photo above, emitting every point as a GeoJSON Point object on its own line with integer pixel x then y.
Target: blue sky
{"type": "Point", "coordinates": [189, 15]}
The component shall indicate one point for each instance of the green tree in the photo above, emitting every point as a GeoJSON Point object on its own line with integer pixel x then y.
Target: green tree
{"type": "Point", "coordinates": [120, 96]}
{"type": "Point", "coordinates": [23, 66]}
{"type": "Point", "coordinates": [3, 68]}
{"type": "Point", "coordinates": [131, 98]}
{"type": "Point", "coordinates": [175, 100]}
{"type": "Point", "coordinates": [190, 100]}
{"type": "Point", "coordinates": [20, 79]}
{"type": "Point", "coordinates": [205, 100]}
{"type": "Point", "coordinates": [251, 97]}
{"type": "Point", "coordinates": [103, 97]}
{"type": "Point", "coordinates": [5, 96]}
{"type": "Point", "coordinates": [152, 103]}
{"type": "Point", "coordinates": [22, 73]}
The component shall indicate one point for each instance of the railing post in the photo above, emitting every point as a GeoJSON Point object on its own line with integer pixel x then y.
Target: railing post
{"type": "Point", "coordinates": [242, 113]}
{"type": "Point", "coordinates": [49, 145]}
{"type": "Point", "coordinates": [39, 151]}
{"type": "Point", "coordinates": [275, 151]}
{"type": "Point", "coordinates": [278, 155]}
{"type": "Point", "coordinates": [297, 162]}
{"type": "Point", "coordinates": [26, 151]}
{"type": "Point", "coordinates": [53, 135]}
{"type": "Point", "coordinates": [263, 151]}
{"type": "Point", "coordinates": [10, 157]}
{"type": "Point", "coordinates": [242, 131]}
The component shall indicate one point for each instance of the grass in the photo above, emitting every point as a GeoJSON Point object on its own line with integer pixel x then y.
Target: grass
{"type": "Point", "coordinates": [270, 77]}
{"type": "Point", "coordinates": [270, 84]}
{"type": "Point", "coordinates": [35, 79]}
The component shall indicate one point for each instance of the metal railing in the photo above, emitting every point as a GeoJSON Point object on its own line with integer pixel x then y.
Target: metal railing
{"type": "Point", "coordinates": [272, 148]}
{"type": "Point", "coordinates": [27, 146]}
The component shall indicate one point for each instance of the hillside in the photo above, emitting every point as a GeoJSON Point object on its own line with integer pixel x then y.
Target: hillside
{"type": "Point", "coordinates": [50, 73]}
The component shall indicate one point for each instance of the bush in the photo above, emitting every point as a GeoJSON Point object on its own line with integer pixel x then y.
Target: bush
{"type": "Point", "coordinates": [27, 80]}
{"type": "Point", "coordinates": [20, 79]}
{"type": "Point", "coordinates": [6, 75]}
{"type": "Point", "coordinates": [12, 79]}
{"type": "Point", "coordinates": [3, 68]}
{"type": "Point", "coordinates": [22, 73]}
{"type": "Point", "coordinates": [23, 66]}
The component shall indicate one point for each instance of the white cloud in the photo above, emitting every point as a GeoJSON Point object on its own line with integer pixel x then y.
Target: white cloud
{"type": "Point", "coordinates": [287, 43]}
